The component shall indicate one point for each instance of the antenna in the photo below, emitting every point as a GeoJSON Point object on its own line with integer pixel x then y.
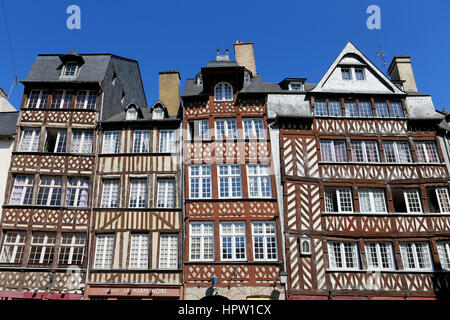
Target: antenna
{"type": "Point", "coordinates": [381, 55]}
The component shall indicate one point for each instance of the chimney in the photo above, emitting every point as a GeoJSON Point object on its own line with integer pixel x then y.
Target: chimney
{"type": "Point", "coordinates": [245, 56]}
{"type": "Point", "coordinates": [169, 90]}
{"type": "Point", "coordinates": [400, 69]}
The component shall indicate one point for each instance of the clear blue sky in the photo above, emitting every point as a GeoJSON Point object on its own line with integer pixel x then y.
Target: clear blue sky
{"type": "Point", "coordinates": [292, 38]}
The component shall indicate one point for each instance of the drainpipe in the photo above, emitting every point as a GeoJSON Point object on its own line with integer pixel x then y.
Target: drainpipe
{"type": "Point", "coordinates": [183, 206]}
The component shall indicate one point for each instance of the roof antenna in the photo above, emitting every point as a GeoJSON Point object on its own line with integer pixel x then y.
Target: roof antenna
{"type": "Point", "coordinates": [381, 55]}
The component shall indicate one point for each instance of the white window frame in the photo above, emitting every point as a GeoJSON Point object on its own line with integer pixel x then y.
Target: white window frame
{"type": "Point", "coordinates": [172, 251]}
{"type": "Point", "coordinates": [230, 128]}
{"type": "Point", "coordinates": [40, 99]}
{"type": "Point", "coordinates": [295, 86]}
{"type": "Point", "coordinates": [110, 191]}
{"type": "Point", "coordinates": [131, 114]}
{"type": "Point", "coordinates": [234, 235]}
{"type": "Point", "coordinates": [397, 153]}
{"type": "Point", "coordinates": [262, 173]}
{"type": "Point", "coordinates": [421, 145]}
{"type": "Point", "coordinates": [157, 114]}
{"type": "Point", "coordinates": [84, 98]}
{"type": "Point", "coordinates": [227, 178]}
{"type": "Point", "coordinates": [223, 91]}
{"type": "Point", "coordinates": [203, 129]}
{"type": "Point", "coordinates": [111, 142]}
{"type": "Point", "coordinates": [265, 235]}
{"type": "Point", "coordinates": [202, 236]}
{"type": "Point", "coordinates": [362, 72]}
{"type": "Point", "coordinates": [408, 205]}
{"type": "Point", "coordinates": [447, 199]}
{"type": "Point", "coordinates": [62, 103]}
{"type": "Point", "coordinates": [333, 149]}
{"type": "Point", "coordinates": [365, 150]}
{"type": "Point", "coordinates": [372, 202]}
{"type": "Point", "coordinates": [444, 254]}
{"type": "Point", "coordinates": [167, 141]}
{"type": "Point", "coordinates": [61, 138]}
{"type": "Point", "coordinates": [33, 145]}
{"type": "Point", "coordinates": [16, 247]}
{"type": "Point", "coordinates": [415, 246]}
{"type": "Point", "coordinates": [350, 77]}
{"type": "Point", "coordinates": [202, 179]}
{"type": "Point", "coordinates": [354, 254]}
{"type": "Point", "coordinates": [338, 191]}
{"type": "Point", "coordinates": [141, 141]}
{"type": "Point", "coordinates": [139, 249]}
{"type": "Point", "coordinates": [27, 187]}
{"type": "Point", "coordinates": [53, 187]}
{"type": "Point", "coordinates": [390, 252]}
{"type": "Point", "coordinates": [139, 187]}
{"type": "Point", "coordinates": [86, 141]}
{"type": "Point", "coordinates": [250, 128]}
{"type": "Point", "coordinates": [44, 247]}
{"type": "Point", "coordinates": [79, 188]}
{"type": "Point", "coordinates": [72, 246]}
{"type": "Point", "coordinates": [64, 70]}
{"type": "Point", "coordinates": [107, 243]}
{"type": "Point", "coordinates": [165, 196]}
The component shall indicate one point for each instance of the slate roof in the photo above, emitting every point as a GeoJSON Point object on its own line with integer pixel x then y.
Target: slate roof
{"type": "Point", "coordinates": [8, 122]}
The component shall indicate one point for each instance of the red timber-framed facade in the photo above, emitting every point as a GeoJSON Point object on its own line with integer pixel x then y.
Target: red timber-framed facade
{"type": "Point", "coordinates": [232, 228]}
{"type": "Point", "coordinates": [137, 220]}
{"type": "Point", "coordinates": [365, 186]}
{"type": "Point", "coordinates": [47, 210]}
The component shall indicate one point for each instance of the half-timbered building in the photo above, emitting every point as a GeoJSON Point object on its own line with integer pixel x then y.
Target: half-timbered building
{"type": "Point", "coordinates": [232, 229]}
{"type": "Point", "coordinates": [137, 211]}
{"type": "Point", "coordinates": [47, 211]}
{"type": "Point", "coordinates": [365, 183]}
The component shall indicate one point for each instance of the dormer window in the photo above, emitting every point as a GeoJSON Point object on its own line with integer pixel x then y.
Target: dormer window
{"type": "Point", "coordinates": [199, 81]}
{"type": "Point", "coordinates": [346, 74]}
{"type": "Point", "coordinates": [70, 69]}
{"type": "Point", "coordinates": [131, 114]}
{"type": "Point", "coordinates": [158, 114]}
{"type": "Point", "coordinates": [295, 86]}
{"type": "Point", "coordinates": [247, 79]}
{"type": "Point", "coordinates": [359, 74]}
{"type": "Point", "coordinates": [223, 91]}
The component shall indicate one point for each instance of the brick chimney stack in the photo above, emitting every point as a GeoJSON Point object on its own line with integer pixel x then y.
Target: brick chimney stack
{"type": "Point", "coordinates": [245, 55]}
{"type": "Point", "coordinates": [401, 69]}
{"type": "Point", "coordinates": [169, 90]}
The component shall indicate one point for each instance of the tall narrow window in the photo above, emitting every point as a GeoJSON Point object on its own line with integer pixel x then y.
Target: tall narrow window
{"type": "Point", "coordinates": [111, 142]}
{"type": "Point", "coordinates": [372, 200]}
{"type": "Point", "coordinates": [42, 247]}
{"type": "Point", "coordinates": [166, 193]}
{"type": "Point", "coordinates": [343, 255]}
{"type": "Point", "coordinates": [364, 151]}
{"type": "Point", "coordinates": [333, 150]}
{"type": "Point", "coordinates": [72, 248]}
{"type": "Point", "coordinates": [82, 141]}
{"type": "Point", "coordinates": [223, 91]}
{"type": "Point", "coordinates": [412, 200]}
{"type": "Point", "coordinates": [259, 185]}
{"type": "Point", "coordinates": [230, 181]}
{"type": "Point", "coordinates": [56, 141]}
{"type": "Point", "coordinates": [320, 108]}
{"type": "Point", "coordinates": [104, 251]}
{"type": "Point", "coordinates": [346, 74]}
{"type": "Point", "coordinates": [38, 99]}
{"type": "Point", "coordinates": [350, 109]}
{"type": "Point", "coordinates": [167, 142]}
{"type": "Point", "coordinates": [226, 128]}
{"type": "Point", "coordinates": [426, 151]}
{"type": "Point", "coordinates": [30, 140]}
{"type": "Point", "coordinates": [396, 109]}
{"type": "Point", "coordinates": [444, 254]}
{"type": "Point", "coordinates": [86, 100]}
{"type": "Point", "coordinates": [22, 191]}
{"type": "Point", "coordinates": [139, 251]}
{"type": "Point", "coordinates": [438, 200]}
{"type": "Point", "coordinates": [138, 193]}
{"type": "Point", "coordinates": [380, 256]}
{"type": "Point", "coordinates": [416, 256]}
{"type": "Point", "coordinates": [141, 142]}
{"type": "Point", "coordinates": [77, 192]}
{"type": "Point", "coordinates": [49, 191]}
{"type": "Point", "coordinates": [233, 243]}
{"type": "Point", "coordinates": [338, 199]}
{"type": "Point", "coordinates": [201, 242]}
{"type": "Point", "coordinates": [264, 241]}
{"type": "Point", "coordinates": [200, 181]}
{"type": "Point", "coordinates": [110, 193]}
{"type": "Point", "coordinates": [13, 247]}
{"type": "Point", "coordinates": [382, 109]}
{"type": "Point", "coordinates": [397, 152]}
{"type": "Point", "coordinates": [359, 74]}
{"type": "Point", "coordinates": [168, 251]}
{"type": "Point", "coordinates": [335, 108]}
{"type": "Point", "coordinates": [254, 128]}
{"type": "Point", "coordinates": [365, 109]}
{"type": "Point", "coordinates": [62, 99]}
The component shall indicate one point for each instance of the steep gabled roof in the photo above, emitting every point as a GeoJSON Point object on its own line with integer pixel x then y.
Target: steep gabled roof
{"type": "Point", "coordinates": [352, 56]}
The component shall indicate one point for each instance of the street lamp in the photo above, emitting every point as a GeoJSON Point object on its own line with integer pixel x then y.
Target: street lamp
{"type": "Point", "coordinates": [283, 277]}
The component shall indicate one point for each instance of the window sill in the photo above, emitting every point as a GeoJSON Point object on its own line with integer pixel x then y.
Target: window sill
{"type": "Point", "coordinates": [60, 109]}
{"type": "Point", "coordinates": [359, 118]}
{"type": "Point", "coordinates": [36, 153]}
{"type": "Point", "coordinates": [253, 262]}
{"type": "Point", "coordinates": [383, 163]}
{"type": "Point", "coordinates": [386, 214]}
{"type": "Point", "coordinates": [385, 271]}
{"type": "Point", "coordinates": [35, 206]}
